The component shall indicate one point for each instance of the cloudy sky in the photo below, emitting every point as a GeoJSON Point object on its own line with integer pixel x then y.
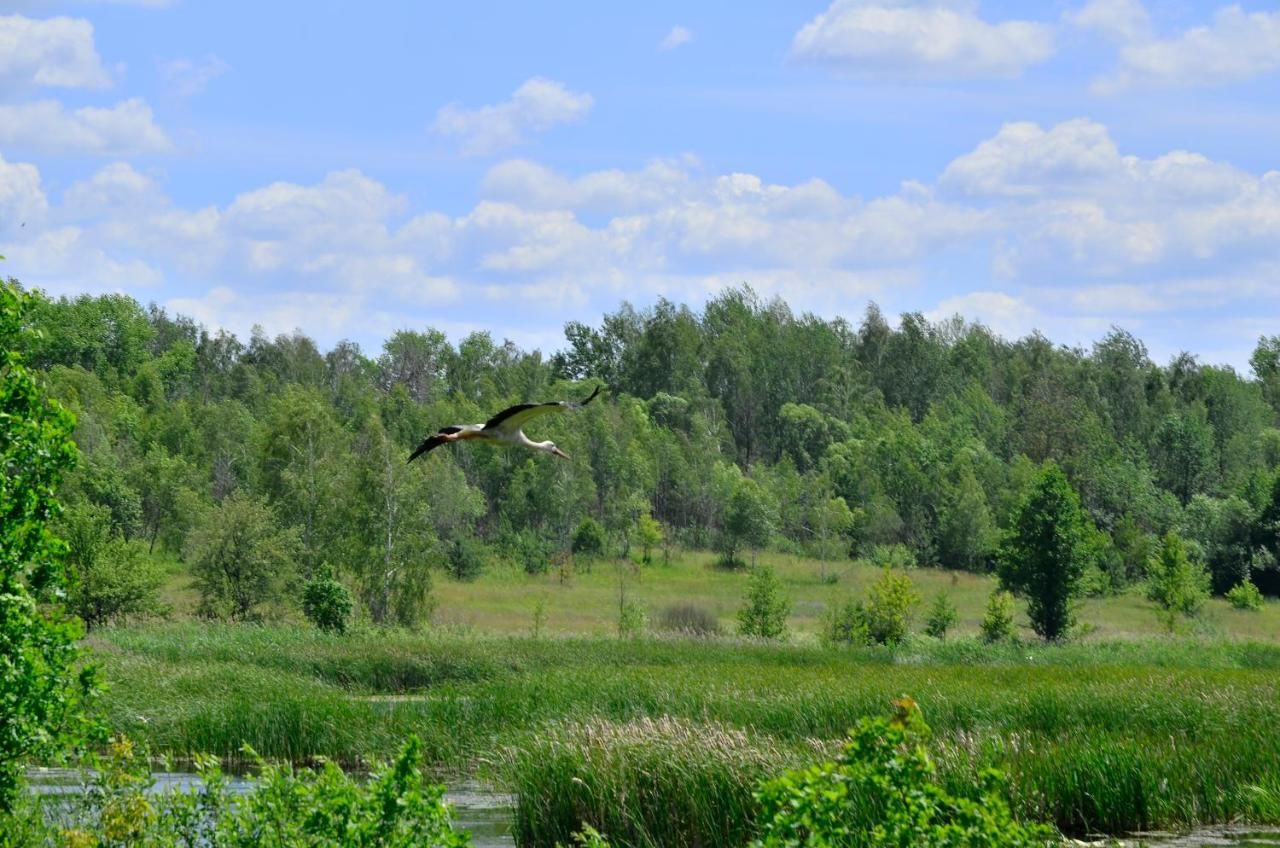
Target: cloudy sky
{"type": "Point", "coordinates": [351, 169]}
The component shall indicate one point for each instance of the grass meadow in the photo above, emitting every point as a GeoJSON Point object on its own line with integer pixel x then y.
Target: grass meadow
{"type": "Point", "coordinates": [504, 599]}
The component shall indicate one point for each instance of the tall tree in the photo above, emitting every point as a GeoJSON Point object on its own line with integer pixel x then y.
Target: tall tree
{"type": "Point", "coordinates": [1043, 558]}
{"type": "Point", "coordinates": [42, 705]}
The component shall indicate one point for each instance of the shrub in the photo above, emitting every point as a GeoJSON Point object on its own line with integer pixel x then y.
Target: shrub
{"type": "Point", "coordinates": [532, 552]}
{"type": "Point", "coordinates": [882, 790]}
{"type": "Point", "coordinates": [1175, 583]}
{"type": "Point", "coordinates": [1245, 596]}
{"type": "Point", "coordinates": [327, 604]}
{"type": "Point", "coordinates": [111, 578]}
{"type": "Point", "coordinates": [240, 557]}
{"type": "Point", "coordinates": [395, 807]}
{"type": "Point", "coordinates": [632, 619]}
{"type": "Point", "coordinates": [589, 539]}
{"type": "Point", "coordinates": [765, 612]}
{"type": "Point", "coordinates": [942, 617]}
{"type": "Point", "coordinates": [889, 603]}
{"type": "Point", "coordinates": [690, 619]}
{"type": "Point", "coordinates": [466, 559]}
{"type": "Point", "coordinates": [997, 621]}
{"type": "Point", "coordinates": [648, 535]}
{"type": "Point", "coordinates": [896, 555]}
{"type": "Point", "coordinates": [845, 624]}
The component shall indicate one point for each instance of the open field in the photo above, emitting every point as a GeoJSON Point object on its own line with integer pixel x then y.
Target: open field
{"type": "Point", "coordinates": [1096, 737]}
{"type": "Point", "coordinates": [503, 599]}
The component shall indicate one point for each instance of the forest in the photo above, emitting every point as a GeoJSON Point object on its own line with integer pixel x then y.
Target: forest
{"type": "Point", "coordinates": [267, 465]}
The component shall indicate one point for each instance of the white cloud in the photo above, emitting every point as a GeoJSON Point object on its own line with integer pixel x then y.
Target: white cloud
{"type": "Point", "coordinates": [1054, 227]}
{"type": "Point", "coordinates": [1010, 316]}
{"type": "Point", "coordinates": [116, 189]}
{"type": "Point", "coordinates": [926, 40]}
{"type": "Point", "coordinates": [52, 52]}
{"type": "Point", "coordinates": [1024, 160]}
{"type": "Point", "coordinates": [46, 126]}
{"type": "Point", "coordinates": [1072, 207]}
{"type": "Point", "coordinates": [1120, 20]}
{"type": "Point", "coordinates": [1236, 46]}
{"type": "Point", "coordinates": [673, 39]}
{"type": "Point", "coordinates": [537, 105]}
{"type": "Point", "coordinates": [22, 199]}
{"type": "Point", "coordinates": [189, 77]}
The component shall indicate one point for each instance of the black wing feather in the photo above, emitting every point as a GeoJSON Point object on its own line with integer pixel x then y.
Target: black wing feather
{"type": "Point", "coordinates": [521, 407]}
{"type": "Point", "coordinates": [432, 442]}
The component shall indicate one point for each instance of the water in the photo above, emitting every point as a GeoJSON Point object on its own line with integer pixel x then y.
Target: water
{"type": "Point", "coordinates": [484, 813]}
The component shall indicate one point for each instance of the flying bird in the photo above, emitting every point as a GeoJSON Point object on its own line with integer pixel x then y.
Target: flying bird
{"type": "Point", "coordinates": [506, 428]}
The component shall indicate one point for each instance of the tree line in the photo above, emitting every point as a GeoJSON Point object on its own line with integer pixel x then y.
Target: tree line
{"type": "Point", "coordinates": [267, 465]}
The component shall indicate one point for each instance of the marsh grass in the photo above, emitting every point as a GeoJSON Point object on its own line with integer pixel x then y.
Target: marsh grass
{"type": "Point", "coordinates": [1095, 737]}
{"type": "Point", "coordinates": [646, 782]}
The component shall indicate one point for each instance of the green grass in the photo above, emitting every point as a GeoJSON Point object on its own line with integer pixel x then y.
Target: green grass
{"type": "Point", "coordinates": [502, 599]}
{"type": "Point", "coordinates": [1097, 736]}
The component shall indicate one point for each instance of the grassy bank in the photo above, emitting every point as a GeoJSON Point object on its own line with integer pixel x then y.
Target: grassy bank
{"type": "Point", "coordinates": [1096, 737]}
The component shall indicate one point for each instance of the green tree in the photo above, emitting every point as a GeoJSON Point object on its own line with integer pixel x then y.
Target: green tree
{"type": "Point", "coordinates": [845, 623]}
{"type": "Point", "coordinates": [1043, 558]}
{"type": "Point", "coordinates": [112, 578]}
{"type": "Point", "coordinates": [942, 616]}
{"type": "Point", "coordinates": [831, 519]}
{"type": "Point", "coordinates": [42, 708]}
{"type": "Point", "coordinates": [1175, 583]}
{"type": "Point", "coordinates": [967, 535]}
{"type": "Point", "coordinates": [392, 543]}
{"type": "Point", "coordinates": [765, 610]}
{"type": "Point", "coordinates": [649, 535]}
{"type": "Point", "coordinates": [240, 557]}
{"type": "Point", "coordinates": [889, 603]}
{"type": "Point", "coordinates": [749, 520]}
{"type": "Point", "coordinates": [1184, 456]}
{"type": "Point", "coordinates": [589, 540]}
{"type": "Point", "coordinates": [997, 619]}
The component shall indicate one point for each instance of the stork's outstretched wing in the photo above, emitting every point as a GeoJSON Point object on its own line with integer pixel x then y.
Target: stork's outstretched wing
{"type": "Point", "coordinates": [515, 417]}
{"type": "Point", "coordinates": [432, 442]}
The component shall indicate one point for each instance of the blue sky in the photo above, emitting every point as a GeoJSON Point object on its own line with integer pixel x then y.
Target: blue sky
{"type": "Point", "coordinates": [351, 169]}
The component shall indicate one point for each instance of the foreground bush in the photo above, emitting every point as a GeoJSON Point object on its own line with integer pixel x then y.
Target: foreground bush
{"type": "Point", "coordinates": [882, 790]}
{"type": "Point", "coordinates": [395, 807]}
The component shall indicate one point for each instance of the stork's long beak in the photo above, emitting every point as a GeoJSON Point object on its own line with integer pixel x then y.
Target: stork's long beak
{"type": "Point", "coordinates": [560, 453]}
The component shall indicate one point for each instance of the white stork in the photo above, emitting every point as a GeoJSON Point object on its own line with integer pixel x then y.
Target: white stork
{"type": "Point", "coordinates": [505, 428]}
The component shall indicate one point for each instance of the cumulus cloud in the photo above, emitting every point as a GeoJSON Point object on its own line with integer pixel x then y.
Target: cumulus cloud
{"type": "Point", "coordinates": [537, 105]}
{"type": "Point", "coordinates": [1119, 20]}
{"type": "Point", "coordinates": [189, 77]}
{"type": "Point", "coordinates": [116, 189]}
{"type": "Point", "coordinates": [1236, 46]}
{"type": "Point", "coordinates": [673, 39]}
{"type": "Point", "coordinates": [52, 52]}
{"type": "Point", "coordinates": [22, 199]}
{"type": "Point", "coordinates": [1073, 205]}
{"type": "Point", "coordinates": [46, 126]}
{"type": "Point", "coordinates": [1054, 227]}
{"type": "Point", "coordinates": [920, 40]}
